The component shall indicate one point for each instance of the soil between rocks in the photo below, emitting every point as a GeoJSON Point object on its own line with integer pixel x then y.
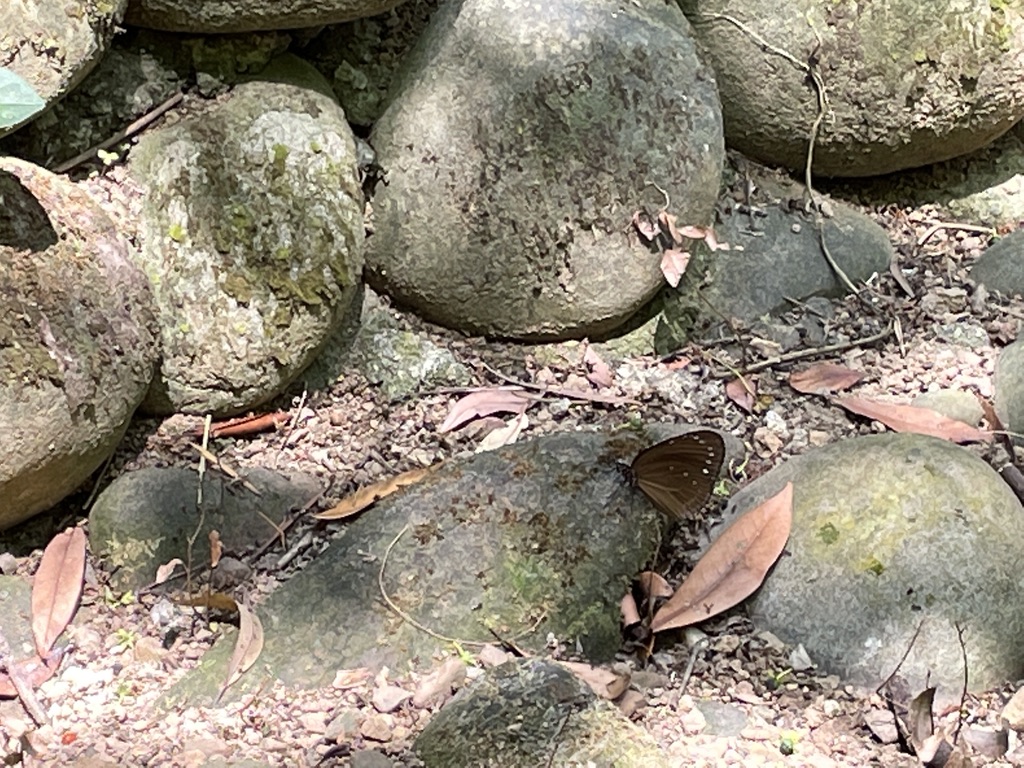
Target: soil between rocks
{"type": "Point", "coordinates": [739, 707]}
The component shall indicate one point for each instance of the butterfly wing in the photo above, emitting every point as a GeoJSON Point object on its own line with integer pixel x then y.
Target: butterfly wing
{"type": "Point", "coordinates": [678, 475]}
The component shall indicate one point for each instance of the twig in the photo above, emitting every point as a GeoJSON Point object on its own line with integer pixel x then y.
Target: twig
{"type": "Point", "coordinates": [941, 225]}
{"type": "Point", "coordinates": [283, 528]}
{"type": "Point", "coordinates": [220, 465]}
{"type": "Point", "coordinates": [204, 453]}
{"type": "Point", "coordinates": [903, 658]}
{"type": "Point", "coordinates": [560, 391]}
{"type": "Point", "coordinates": [963, 691]}
{"type": "Point", "coordinates": [803, 354]}
{"type": "Point", "coordinates": [132, 129]}
{"type": "Point", "coordinates": [402, 614]}
{"type": "Point", "coordinates": [699, 646]}
{"type": "Point", "coordinates": [291, 426]}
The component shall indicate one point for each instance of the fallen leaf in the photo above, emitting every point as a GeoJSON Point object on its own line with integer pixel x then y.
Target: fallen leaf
{"type": "Point", "coordinates": [165, 571]}
{"type": "Point", "coordinates": [734, 565]}
{"type": "Point", "coordinates": [920, 723]}
{"type": "Point", "coordinates": [248, 647]}
{"type": "Point", "coordinates": [437, 686]}
{"type": "Point", "coordinates": [504, 435]}
{"type": "Point", "coordinates": [742, 392]}
{"type": "Point", "coordinates": [364, 497]}
{"type": "Point", "coordinates": [824, 379]}
{"type": "Point", "coordinates": [645, 225]}
{"type": "Point", "coordinates": [628, 610]}
{"type": "Point", "coordinates": [35, 671]}
{"type": "Point", "coordinates": [654, 585]}
{"type": "Point", "coordinates": [485, 402]}
{"type": "Point", "coordinates": [673, 265]}
{"type": "Point", "coordinates": [216, 548]}
{"type": "Point", "coordinates": [603, 682]}
{"type": "Point", "coordinates": [57, 588]}
{"type": "Point", "coordinates": [216, 601]}
{"type": "Point", "coordinates": [598, 372]}
{"type": "Point", "coordinates": [911, 418]}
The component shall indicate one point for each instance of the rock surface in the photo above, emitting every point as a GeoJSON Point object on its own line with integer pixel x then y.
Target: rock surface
{"type": "Point", "coordinates": [78, 343]}
{"type": "Point", "coordinates": [896, 540]}
{"type": "Point", "coordinates": [906, 83]}
{"type": "Point", "coordinates": [536, 538]}
{"type": "Point", "coordinates": [251, 234]}
{"type": "Point", "coordinates": [518, 146]}
{"type": "Point", "coordinates": [248, 15]}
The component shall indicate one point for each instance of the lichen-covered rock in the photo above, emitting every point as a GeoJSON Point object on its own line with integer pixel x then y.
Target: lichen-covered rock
{"type": "Point", "coordinates": [54, 44]}
{"type": "Point", "coordinates": [907, 83]}
{"type": "Point", "coordinates": [78, 340]}
{"type": "Point", "coordinates": [537, 538]}
{"type": "Point", "coordinates": [251, 233]}
{"type": "Point", "coordinates": [248, 15]}
{"type": "Point", "coordinates": [896, 541]}
{"type": "Point", "coordinates": [557, 721]}
{"type": "Point", "coordinates": [521, 141]}
{"type": "Point", "coordinates": [1009, 388]}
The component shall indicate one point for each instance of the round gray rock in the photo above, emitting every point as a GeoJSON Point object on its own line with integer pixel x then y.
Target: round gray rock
{"type": "Point", "coordinates": [248, 15]}
{"type": "Point", "coordinates": [907, 83]}
{"type": "Point", "coordinates": [531, 712]}
{"type": "Point", "coordinates": [1001, 266]}
{"type": "Point", "coordinates": [251, 233]}
{"type": "Point", "coordinates": [521, 141]}
{"type": "Point", "coordinates": [78, 340]}
{"type": "Point", "coordinates": [896, 540]}
{"type": "Point", "coordinates": [1009, 387]}
{"type": "Point", "coordinates": [536, 538]}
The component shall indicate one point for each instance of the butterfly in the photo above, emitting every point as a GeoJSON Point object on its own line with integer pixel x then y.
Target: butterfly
{"type": "Point", "coordinates": [678, 475]}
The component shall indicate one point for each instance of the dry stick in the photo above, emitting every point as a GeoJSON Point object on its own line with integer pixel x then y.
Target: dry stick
{"type": "Point", "coordinates": [963, 691]}
{"type": "Point", "coordinates": [287, 524]}
{"type": "Point", "coordinates": [939, 226]}
{"type": "Point", "coordinates": [402, 614]}
{"type": "Point", "coordinates": [903, 658]}
{"type": "Point", "coordinates": [699, 646]}
{"type": "Point", "coordinates": [790, 357]}
{"type": "Point", "coordinates": [291, 427]}
{"type": "Point", "coordinates": [132, 129]}
{"type": "Point", "coordinates": [558, 391]}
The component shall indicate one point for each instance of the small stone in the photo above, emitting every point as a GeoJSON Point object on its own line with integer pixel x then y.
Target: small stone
{"type": "Point", "coordinates": [229, 573]}
{"type": "Point", "coordinates": [1013, 712]}
{"type": "Point", "coordinates": [377, 727]}
{"type": "Point", "coordinates": [343, 726]}
{"type": "Point", "coordinates": [370, 758]}
{"type": "Point", "coordinates": [388, 698]}
{"type": "Point", "coordinates": [492, 656]}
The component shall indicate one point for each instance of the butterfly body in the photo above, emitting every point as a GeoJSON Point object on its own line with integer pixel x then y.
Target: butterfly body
{"type": "Point", "coordinates": [678, 475]}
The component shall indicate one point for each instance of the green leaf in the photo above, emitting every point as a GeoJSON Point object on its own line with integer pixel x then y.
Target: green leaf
{"type": "Point", "coordinates": [18, 100]}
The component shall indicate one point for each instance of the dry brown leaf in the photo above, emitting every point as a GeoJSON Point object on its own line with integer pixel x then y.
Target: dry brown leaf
{"type": "Point", "coordinates": [654, 585]}
{"type": "Point", "coordinates": [627, 608]}
{"type": "Point", "coordinates": [824, 379]}
{"type": "Point", "coordinates": [485, 402]}
{"type": "Point", "coordinates": [603, 682]}
{"type": "Point", "coordinates": [645, 225]}
{"type": "Point", "coordinates": [742, 392]}
{"type": "Point", "coordinates": [910, 418]}
{"type": "Point", "coordinates": [216, 548]}
{"type": "Point", "coordinates": [364, 497]}
{"type": "Point", "coordinates": [598, 372]}
{"type": "Point", "coordinates": [350, 678]}
{"type": "Point", "coordinates": [505, 435]}
{"type": "Point", "coordinates": [35, 671]}
{"type": "Point", "coordinates": [165, 571]}
{"type": "Point", "coordinates": [248, 647]}
{"type": "Point", "coordinates": [216, 601]}
{"type": "Point", "coordinates": [57, 588]}
{"type": "Point", "coordinates": [734, 565]}
{"type": "Point", "coordinates": [673, 265]}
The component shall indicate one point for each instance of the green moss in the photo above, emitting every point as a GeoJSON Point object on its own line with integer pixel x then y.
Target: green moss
{"type": "Point", "coordinates": [873, 565]}
{"type": "Point", "coordinates": [176, 232]}
{"type": "Point", "coordinates": [828, 533]}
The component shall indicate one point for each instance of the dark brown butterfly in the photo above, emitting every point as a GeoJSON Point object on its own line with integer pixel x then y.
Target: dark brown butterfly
{"type": "Point", "coordinates": [679, 474]}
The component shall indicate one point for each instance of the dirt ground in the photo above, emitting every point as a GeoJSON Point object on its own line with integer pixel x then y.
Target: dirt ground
{"type": "Point", "coordinates": [742, 705]}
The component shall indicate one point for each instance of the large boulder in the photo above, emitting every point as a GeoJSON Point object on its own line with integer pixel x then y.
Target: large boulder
{"type": "Point", "coordinates": [906, 83]}
{"type": "Point", "coordinates": [520, 143]}
{"type": "Point", "coordinates": [78, 339]}
{"type": "Point", "coordinates": [248, 15]}
{"type": "Point", "coordinates": [251, 232]}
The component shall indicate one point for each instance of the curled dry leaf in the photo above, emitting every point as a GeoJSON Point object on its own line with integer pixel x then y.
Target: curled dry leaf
{"type": "Point", "coordinates": [630, 613]}
{"type": "Point", "coordinates": [654, 585]}
{"type": "Point", "coordinates": [603, 682]}
{"type": "Point", "coordinates": [742, 392]}
{"type": "Point", "coordinates": [910, 418]}
{"type": "Point", "coordinates": [734, 565]}
{"type": "Point", "coordinates": [215, 601]}
{"type": "Point", "coordinates": [673, 265]}
{"type": "Point", "coordinates": [165, 571]}
{"type": "Point", "coordinates": [485, 402]}
{"type": "Point", "coordinates": [57, 588]}
{"type": "Point", "coordinates": [645, 225]}
{"type": "Point", "coordinates": [504, 435]}
{"type": "Point", "coordinates": [216, 548]}
{"type": "Point", "coordinates": [350, 678]}
{"type": "Point", "coordinates": [248, 647]}
{"type": "Point", "coordinates": [598, 372]}
{"type": "Point", "coordinates": [364, 497]}
{"type": "Point", "coordinates": [824, 379]}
